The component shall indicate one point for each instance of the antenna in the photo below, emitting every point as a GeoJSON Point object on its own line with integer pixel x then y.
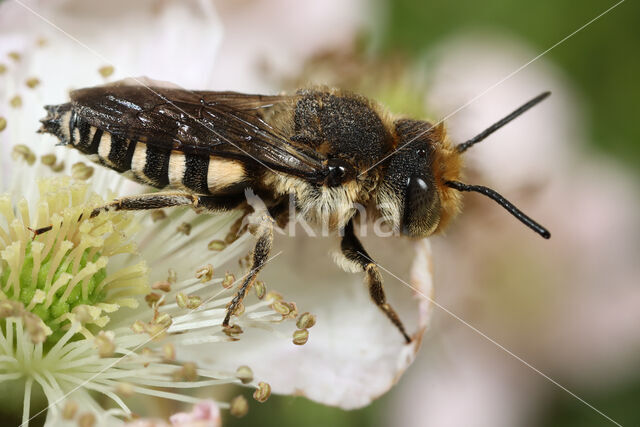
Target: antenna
{"type": "Point", "coordinates": [492, 194]}
{"type": "Point", "coordinates": [497, 125]}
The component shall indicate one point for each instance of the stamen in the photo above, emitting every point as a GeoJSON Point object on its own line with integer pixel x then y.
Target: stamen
{"type": "Point", "coordinates": [32, 82]}
{"type": "Point", "coordinates": [20, 151]}
{"type": "Point", "coordinates": [216, 245]}
{"type": "Point", "coordinates": [16, 102]}
{"type": "Point", "coordinates": [233, 331]}
{"type": "Point", "coordinates": [281, 307]}
{"type": "Point", "coordinates": [306, 320]}
{"type": "Point", "coordinates": [244, 374]}
{"type": "Point", "coordinates": [87, 419]}
{"type": "Point", "coordinates": [62, 286]}
{"type": "Point", "coordinates": [106, 70]}
{"type": "Point", "coordinates": [260, 289]}
{"type": "Point", "coordinates": [158, 215]}
{"type": "Point", "coordinates": [104, 342]}
{"type": "Point", "coordinates": [239, 407]}
{"type": "Point", "coordinates": [188, 372]}
{"type": "Point", "coordinates": [228, 281]}
{"type": "Point", "coordinates": [125, 389]}
{"type": "Point", "coordinates": [263, 392]}
{"type": "Point", "coordinates": [26, 405]}
{"type": "Point", "coordinates": [64, 269]}
{"type": "Point", "coordinates": [239, 310]}
{"type": "Point", "coordinates": [48, 159]}
{"type": "Point", "coordinates": [70, 410]}
{"type": "Point", "coordinates": [169, 352]}
{"type": "Point", "coordinates": [184, 228]}
{"type": "Point", "coordinates": [81, 171]}
{"type": "Point", "coordinates": [163, 286]}
{"type": "Point", "coordinates": [153, 299]}
{"type": "Point", "coordinates": [205, 273]}
{"type": "Point", "coordinates": [300, 336]}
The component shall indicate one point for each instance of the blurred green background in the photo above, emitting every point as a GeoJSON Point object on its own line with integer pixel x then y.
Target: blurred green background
{"type": "Point", "coordinates": [603, 63]}
{"type": "Point", "coordinates": [602, 59]}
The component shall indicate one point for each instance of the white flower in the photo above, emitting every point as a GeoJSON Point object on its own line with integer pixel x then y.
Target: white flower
{"type": "Point", "coordinates": [73, 322]}
{"type": "Point", "coordinates": [353, 354]}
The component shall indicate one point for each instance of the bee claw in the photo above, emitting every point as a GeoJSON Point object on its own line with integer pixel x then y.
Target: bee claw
{"type": "Point", "coordinates": [38, 231]}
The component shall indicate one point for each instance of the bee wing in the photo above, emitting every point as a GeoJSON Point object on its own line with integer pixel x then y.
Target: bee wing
{"type": "Point", "coordinates": [225, 124]}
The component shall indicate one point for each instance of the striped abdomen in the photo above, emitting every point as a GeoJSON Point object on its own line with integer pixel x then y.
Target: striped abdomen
{"type": "Point", "coordinates": [145, 163]}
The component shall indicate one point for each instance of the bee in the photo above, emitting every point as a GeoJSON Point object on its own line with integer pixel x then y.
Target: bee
{"type": "Point", "coordinates": [327, 149]}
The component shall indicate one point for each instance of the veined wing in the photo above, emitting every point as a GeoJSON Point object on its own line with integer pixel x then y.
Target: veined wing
{"type": "Point", "coordinates": [225, 124]}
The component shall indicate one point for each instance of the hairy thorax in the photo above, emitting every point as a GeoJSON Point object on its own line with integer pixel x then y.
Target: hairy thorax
{"type": "Point", "coordinates": [328, 208]}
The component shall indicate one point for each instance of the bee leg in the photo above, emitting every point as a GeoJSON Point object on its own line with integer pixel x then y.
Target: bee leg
{"type": "Point", "coordinates": [159, 201]}
{"type": "Point", "coordinates": [264, 232]}
{"type": "Point", "coordinates": [357, 257]}
{"type": "Point", "coordinates": [144, 202]}
{"type": "Point", "coordinates": [166, 200]}
{"type": "Point", "coordinates": [38, 231]}
{"type": "Point", "coordinates": [279, 212]}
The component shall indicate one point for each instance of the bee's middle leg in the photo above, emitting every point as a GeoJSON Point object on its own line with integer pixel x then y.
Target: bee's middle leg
{"type": "Point", "coordinates": [264, 233]}
{"type": "Point", "coordinates": [354, 252]}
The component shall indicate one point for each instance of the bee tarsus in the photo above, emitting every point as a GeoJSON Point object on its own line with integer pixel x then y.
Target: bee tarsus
{"type": "Point", "coordinates": [354, 252]}
{"type": "Point", "coordinates": [38, 231]}
{"type": "Point", "coordinates": [260, 256]}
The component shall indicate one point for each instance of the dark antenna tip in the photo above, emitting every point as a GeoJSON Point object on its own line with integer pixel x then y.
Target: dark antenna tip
{"type": "Point", "coordinates": [497, 125]}
{"type": "Point", "coordinates": [494, 195]}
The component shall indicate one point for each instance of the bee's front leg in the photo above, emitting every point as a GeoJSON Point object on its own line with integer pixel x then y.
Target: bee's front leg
{"type": "Point", "coordinates": [358, 258]}
{"type": "Point", "coordinates": [264, 232]}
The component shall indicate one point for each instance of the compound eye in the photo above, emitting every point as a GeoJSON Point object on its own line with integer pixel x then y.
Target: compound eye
{"type": "Point", "coordinates": [339, 171]}
{"type": "Point", "coordinates": [422, 207]}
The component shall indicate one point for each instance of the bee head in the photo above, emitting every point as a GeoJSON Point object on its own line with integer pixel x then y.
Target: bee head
{"type": "Point", "coordinates": [414, 179]}
{"type": "Point", "coordinates": [424, 175]}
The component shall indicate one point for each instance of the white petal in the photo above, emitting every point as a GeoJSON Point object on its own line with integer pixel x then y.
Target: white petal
{"type": "Point", "coordinates": [354, 354]}
{"type": "Point", "coordinates": [279, 35]}
{"type": "Point", "coordinates": [171, 41]}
